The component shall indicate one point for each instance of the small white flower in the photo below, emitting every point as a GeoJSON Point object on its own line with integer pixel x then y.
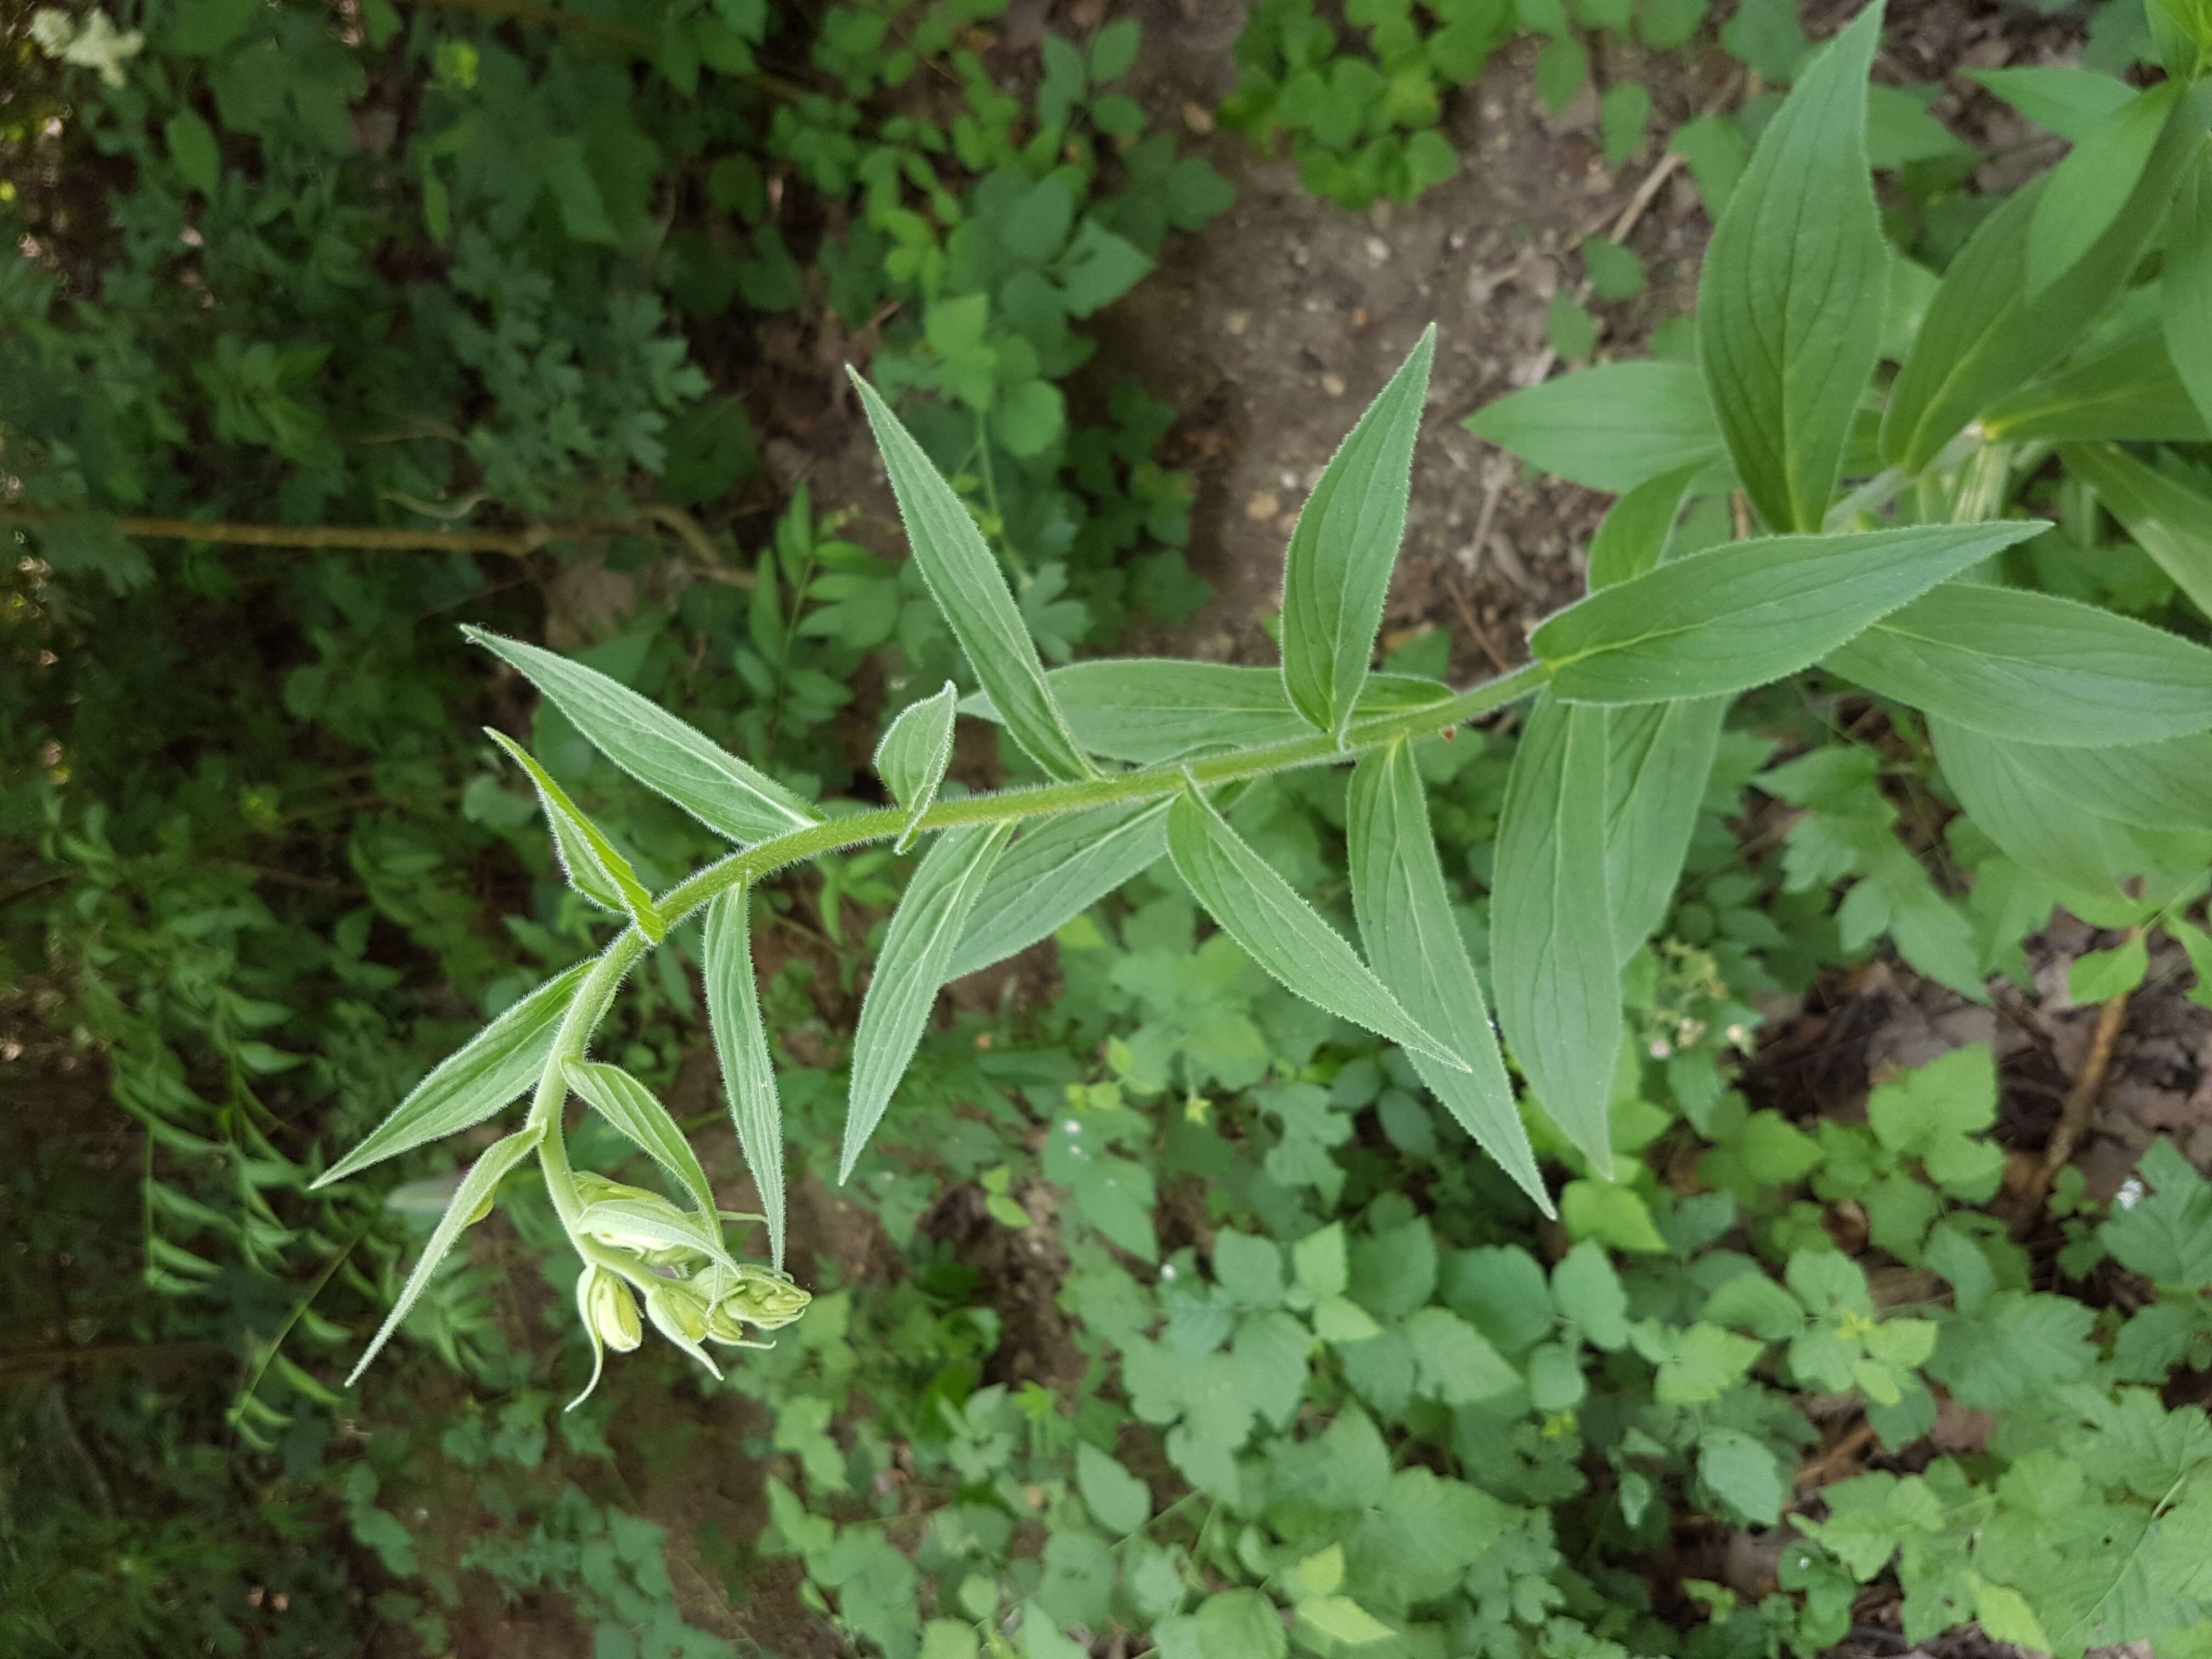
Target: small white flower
{"type": "Point", "coordinates": [96, 44]}
{"type": "Point", "coordinates": [2130, 1194]}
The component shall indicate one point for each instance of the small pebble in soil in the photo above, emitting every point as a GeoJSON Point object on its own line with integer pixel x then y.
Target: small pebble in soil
{"type": "Point", "coordinates": [1262, 507]}
{"type": "Point", "coordinates": [1333, 385]}
{"type": "Point", "coordinates": [1197, 118]}
{"type": "Point", "coordinates": [1378, 249]}
{"type": "Point", "coordinates": [1236, 321]}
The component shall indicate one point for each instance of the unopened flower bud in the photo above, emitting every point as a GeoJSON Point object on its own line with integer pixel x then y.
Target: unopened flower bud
{"type": "Point", "coordinates": [609, 1308]}
{"type": "Point", "coordinates": [762, 1297]}
{"type": "Point", "coordinates": [678, 1312]}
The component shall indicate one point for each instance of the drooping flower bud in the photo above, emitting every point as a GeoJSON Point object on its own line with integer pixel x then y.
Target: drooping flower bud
{"type": "Point", "coordinates": [762, 1297]}
{"type": "Point", "coordinates": [677, 1310]}
{"type": "Point", "coordinates": [609, 1308]}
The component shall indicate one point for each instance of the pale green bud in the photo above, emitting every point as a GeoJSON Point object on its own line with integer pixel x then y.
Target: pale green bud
{"type": "Point", "coordinates": [677, 1311]}
{"type": "Point", "coordinates": [764, 1297]}
{"type": "Point", "coordinates": [608, 1309]}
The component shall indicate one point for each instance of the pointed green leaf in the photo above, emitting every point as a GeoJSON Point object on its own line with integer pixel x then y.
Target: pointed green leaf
{"type": "Point", "coordinates": [1406, 922]}
{"type": "Point", "coordinates": [1985, 334]}
{"type": "Point", "coordinates": [966, 582]}
{"type": "Point", "coordinates": [469, 1085]}
{"type": "Point", "coordinates": [2185, 287]}
{"type": "Point", "coordinates": [2168, 520]}
{"type": "Point", "coordinates": [629, 1106]}
{"type": "Point", "coordinates": [1610, 427]}
{"type": "Point", "coordinates": [2085, 192]}
{"type": "Point", "coordinates": [1280, 932]}
{"type": "Point", "coordinates": [914, 754]}
{"type": "Point", "coordinates": [1748, 612]}
{"type": "Point", "coordinates": [1553, 966]}
{"type": "Point", "coordinates": [475, 1192]}
{"type": "Point", "coordinates": [1660, 756]}
{"type": "Point", "coordinates": [1634, 536]}
{"type": "Point", "coordinates": [640, 1223]}
{"type": "Point", "coordinates": [657, 750]}
{"type": "Point", "coordinates": [1789, 304]}
{"type": "Point", "coordinates": [588, 858]}
{"type": "Point", "coordinates": [2033, 667]}
{"type": "Point", "coordinates": [2035, 826]}
{"type": "Point", "coordinates": [2125, 390]}
{"type": "Point", "coordinates": [919, 944]}
{"type": "Point", "coordinates": [2070, 102]}
{"type": "Point", "coordinates": [1149, 709]}
{"type": "Point", "coordinates": [2157, 785]}
{"type": "Point", "coordinates": [741, 1045]}
{"type": "Point", "coordinates": [1337, 571]}
{"type": "Point", "coordinates": [1058, 869]}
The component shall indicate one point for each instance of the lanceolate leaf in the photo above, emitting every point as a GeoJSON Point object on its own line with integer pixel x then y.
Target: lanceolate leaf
{"type": "Point", "coordinates": [1149, 709]}
{"type": "Point", "coordinates": [476, 1191]}
{"type": "Point", "coordinates": [657, 750]}
{"type": "Point", "coordinates": [1610, 427]}
{"type": "Point", "coordinates": [1659, 757]}
{"type": "Point", "coordinates": [1407, 924]}
{"type": "Point", "coordinates": [2070, 102]}
{"type": "Point", "coordinates": [2169, 520]}
{"type": "Point", "coordinates": [1985, 334]}
{"type": "Point", "coordinates": [1634, 536]}
{"type": "Point", "coordinates": [919, 945]}
{"type": "Point", "coordinates": [914, 754]}
{"type": "Point", "coordinates": [1789, 305]}
{"type": "Point", "coordinates": [1741, 615]}
{"type": "Point", "coordinates": [1554, 967]}
{"type": "Point", "coordinates": [1280, 932]}
{"type": "Point", "coordinates": [2129, 391]}
{"type": "Point", "coordinates": [629, 1106]}
{"type": "Point", "coordinates": [2088, 190]}
{"type": "Point", "coordinates": [2157, 785]}
{"type": "Point", "coordinates": [2034, 667]}
{"type": "Point", "coordinates": [741, 1046]}
{"type": "Point", "coordinates": [1337, 571]}
{"type": "Point", "coordinates": [2037, 827]}
{"type": "Point", "coordinates": [1057, 870]}
{"type": "Point", "coordinates": [965, 580]}
{"type": "Point", "coordinates": [594, 868]}
{"type": "Point", "coordinates": [469, 1085]}
{"type": "Point", "coordinates": [2186, 288]}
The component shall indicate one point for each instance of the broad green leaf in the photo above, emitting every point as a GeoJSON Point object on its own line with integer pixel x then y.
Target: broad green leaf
{"type": "Point", "coordinates": [1237, 1623]}
{"type": "Point", "coordinates": [1150, 710]}
{"type": "Point", "coordinates": [469, 1085]}
{"type": "Point", "coordinates": [588, 858]}
{"type": "Point", "coordinates": [965, 580]}
{"type": "Point", "coordinates": [1789, 303]}
{"type": "Point", "coordinates": [1280, 932]}
{"type": "Point", "coordinates": [1553, 963]}
{"type": "Point", "coordinates": [1406, 922]}
{"type": "Point", "coordinates": [1986, 334]}
{"type": "Point", "coordinates": [741, 1046]}
{"type": "Point", "coordinates": [2086, 191]}
{"type": "Point", "coordinates": [2186, 286]}
{"type": "Point", "coordinates": [475, 1192]}
{"type": "Point", "coordinates": [910, 969]}
{"type": "Point", "coordinates": [657, 750]}
{"type": "Point", "coordinates": [2033, 667]}
{"type": "Point", "coordinates": [193, 148]}
{"type": "Point", "coordinates": [2070, 102]}
{"type": "Point", "coordinates": [1740, 615]}
{"type": "Point", "coordinates": [1659, 756]}
{"type": "Point", "coordinates": [1743, 1471]}
{"type": "Point", "coordinates": [914, 754]}
{"type": "Point", "coordinates": [629, 1106]}
{"type": "Point", "coordinates": [1419, 1542]}
{"type": "Point", "coordinates": [1611, 427]}
{"type": "Point", "coordinates": [2158, 786]}
{"type": "Point", "coordinates": [2168, 520]}
{"type": "Point", "coordinates": [2034, 826]}
{"type": "Point", "coordinates": [1121, 1501]}
{"type": "Point", "coordinates": [1337, 571]}
{"type": "Point", "coordinates": [1636, 531]}
{"type": "Point", "coordinates": [1056, 870]}
{"type": "Point", "coordinates": [2128, 390]}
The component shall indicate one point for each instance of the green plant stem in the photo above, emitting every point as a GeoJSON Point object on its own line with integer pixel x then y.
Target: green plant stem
{"type": "Point", "coordinates": [596, 994]}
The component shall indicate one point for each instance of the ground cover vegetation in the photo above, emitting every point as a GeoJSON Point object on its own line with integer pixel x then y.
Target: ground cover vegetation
{"type": "Point", "coordinates": [1230, 1298]}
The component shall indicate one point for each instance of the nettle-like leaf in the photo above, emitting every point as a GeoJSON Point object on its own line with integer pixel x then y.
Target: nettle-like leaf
{"type": "Point", "coordinates": [657, 750]}
{"type": "Point", "coordinates": [1739, 616]}
{"type": "Point", "coordinates": [914, 754]}
{"type": "Point", "coordinates": [1554, 963]}
{"type": "Point", "coordinates": [2033, 667]}
{"type": "Point", "coordinates": [741, 1045]}
{"type": "Point", "coordinates": [496, 1065]}
{"type": "Point", "coordinates": [593, 865]}
{"type": "Point", "coordinates": [2040, 827]}
{"type": "Point", "coordinates": [965, 580]}
{"type": "Point", "coordinates": [919, 945]}
{"type": "Point", "coordinates": [2128, 389]}
{"type": "Point", "coordinates": [1055, 872]}
{"type": "Point", "coordinates": [1406, 922]}
{"type": "Point", "coordinates": [1337, 571]}
{"type": "Point", "coordinates": [628, 1105]}
{"type": "Point", "coordinates": [1789, 304]}
{"type": "Point", "coordinates": [1613, 428]}
{"type": "Point", "coordinates": [1280, 932]}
